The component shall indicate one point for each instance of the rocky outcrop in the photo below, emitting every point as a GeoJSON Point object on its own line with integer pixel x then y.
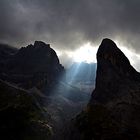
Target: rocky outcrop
{"type": "Point", "coordinates": [37, 58]}
{"type": "Point", "coordinates": [33, 66]}
{"type": "Point", "coordinates": [113, 72]}
{"type": "Point", "coordinates": [113, 112]}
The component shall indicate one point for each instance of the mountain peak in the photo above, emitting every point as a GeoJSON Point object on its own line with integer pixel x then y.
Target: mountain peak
{"type": "Point", "coordinates": [112, 67]}
{"type": "Point", "coordinates": [41, 44]}
{"type": "Point", "coordinates": [108, 41]}
{"type": "Point", "coordinates": [110, 57]}
{"type": "Point", "coordinates": [108, 51]}
{"type": "Point", "coordinates": [114, 108]}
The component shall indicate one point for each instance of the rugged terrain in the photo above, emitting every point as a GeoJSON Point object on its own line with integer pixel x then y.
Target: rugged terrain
{"type": "Point", "coordinates": [35, 65]}
{"type": "Point", "coordinates": [35, 99]}
{"type": "Point", "coordinates": [113, 112]}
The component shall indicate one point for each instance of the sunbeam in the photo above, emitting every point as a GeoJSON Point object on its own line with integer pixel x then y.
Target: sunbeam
{"type": "Point", "coordinates": [86, 53]}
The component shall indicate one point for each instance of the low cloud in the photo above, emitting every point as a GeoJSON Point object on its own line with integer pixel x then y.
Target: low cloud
{"type": "Point", "coordinates": [67, 24]}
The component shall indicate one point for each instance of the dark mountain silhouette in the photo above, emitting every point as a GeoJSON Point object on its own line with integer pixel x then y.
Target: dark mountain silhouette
{"type": "Point", "coordinates": [34, 59]}
{"type": "Point", "coordinates": [32, 66]}
{"type": "Point", "coordinates": [35, 99]}
{"type": "Point", "coordinates": [113, 112]}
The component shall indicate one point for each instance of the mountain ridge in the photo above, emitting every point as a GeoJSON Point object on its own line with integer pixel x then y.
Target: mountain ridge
{"type": "Point", "coordinates": [34, 94]}
{"type": "Point", "coordinates": [33, 65]}
{"type": "Point", "coordinates": [113, 110]}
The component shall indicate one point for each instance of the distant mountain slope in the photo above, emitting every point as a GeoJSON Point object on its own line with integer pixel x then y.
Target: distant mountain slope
{"type": "Point", "coordinates": [113, 112]}
{"type": "Point", "coordinates": [81, 72]}
{"type": "Point", "coordinates": [82, 75]}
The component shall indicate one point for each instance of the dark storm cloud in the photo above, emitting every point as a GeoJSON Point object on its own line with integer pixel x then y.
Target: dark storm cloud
{"type": "Point", "coordinates": [67, 24]}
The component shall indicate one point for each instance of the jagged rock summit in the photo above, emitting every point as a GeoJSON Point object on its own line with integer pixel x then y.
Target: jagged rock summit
{"type": "Point", "coordinates": [109, 54]}
{"type": "Point", "coordinates": [113, 112]}
{"type": "Point", "coordinates": [36, 65]}
{"type": "Point", "coordinates": [35, 58]}
{"type": "Point", "coordinates": [113, 71]}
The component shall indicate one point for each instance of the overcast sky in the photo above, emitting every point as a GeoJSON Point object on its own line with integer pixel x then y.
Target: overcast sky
{"type": "Point", "coordinates": [69, 24]}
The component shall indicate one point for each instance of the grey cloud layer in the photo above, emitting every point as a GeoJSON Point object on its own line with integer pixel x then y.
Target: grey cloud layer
{"type": "Point", "coordinates": [69, 23]}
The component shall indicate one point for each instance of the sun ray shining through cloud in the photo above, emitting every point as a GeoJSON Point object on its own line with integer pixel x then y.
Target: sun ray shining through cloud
{"type": "Point", "coordinates": [85, 53]}
{"type": "Point", "coordinates": [74, 73]}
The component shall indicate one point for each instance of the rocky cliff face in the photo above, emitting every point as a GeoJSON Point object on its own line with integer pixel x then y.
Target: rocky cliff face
{"type": "Point", "coordinates": [32, 66]}
{"type": "Point", "coordinates": [113, 112]}
{"type": "Point", "coordinates": [113, 72]}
